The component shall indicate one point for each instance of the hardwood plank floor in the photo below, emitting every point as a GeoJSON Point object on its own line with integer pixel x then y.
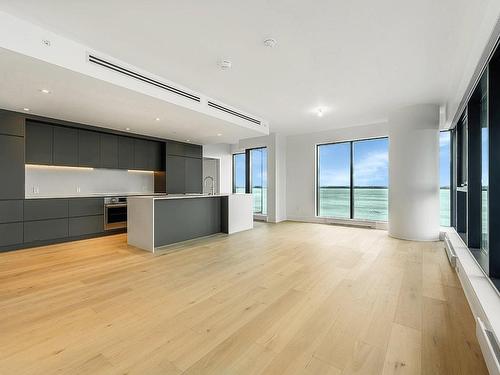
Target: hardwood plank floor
{"type": "Point", "coordinates": [289, 298]}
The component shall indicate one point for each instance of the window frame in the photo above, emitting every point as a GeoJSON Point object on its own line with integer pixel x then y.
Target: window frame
{"type": "Point", "coordinates": [234, 170]}
{"type": "Point", "coordinates": [351, 178]}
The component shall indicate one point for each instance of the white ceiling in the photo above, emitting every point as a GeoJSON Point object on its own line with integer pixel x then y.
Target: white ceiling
{"type": "Point", "coordinates": [80, 98]}
{"type": "Point", "coordinates": [359, 59]}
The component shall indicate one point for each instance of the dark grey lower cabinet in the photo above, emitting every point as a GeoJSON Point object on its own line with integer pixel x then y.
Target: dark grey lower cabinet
{"type": "Point", "coordinates": [11, 211]}
{"type": "Point", "coordinates": [86, 206]}
{"type": "Point", "coordinates": [11, 234]}
{"type": "Point", "coordinates": [40, 209]}
{"type": "Point", "coordinates": [43, 230]}
{"type": "Point", "coordinates": [80, 226]}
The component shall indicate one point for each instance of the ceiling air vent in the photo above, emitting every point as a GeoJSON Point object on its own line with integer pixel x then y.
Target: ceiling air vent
{"type": "Point", "coordinates": [109, 65]}
{"type": "Point", "coordinates": [232, 112]}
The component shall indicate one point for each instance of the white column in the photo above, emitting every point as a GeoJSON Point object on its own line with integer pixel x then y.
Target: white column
{"type": "Point", "coordinates": [414, 173]}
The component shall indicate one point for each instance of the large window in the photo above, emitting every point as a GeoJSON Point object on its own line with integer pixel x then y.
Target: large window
{"type": "Point", "coordinates": [258, 179]}
{"type": "Point", "coordinates": [352, 179]}
{"type": "Point", "coordinates": [444, 178]}
{"type": "Point", "coordinates": [239, 174]}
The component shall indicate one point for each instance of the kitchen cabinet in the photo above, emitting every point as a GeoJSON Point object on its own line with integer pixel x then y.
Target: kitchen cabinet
{"type": "Point", "coordinates": [43, 230]}
{"type": "Point", "coordinates": [141, 154]}
{"type": "Point", "coordinates": [193, 151]}
{"type": "Point", "coordinates": [65, 146]}
{"type": "Point", "coordinates": [11, 211]}
{"type": "Point", "coordinates": [39, 143]}
{"type": "Point", "coordinates": [12, 167]}
{"type": "Point", "coordinates": [194, 175]}
{"type": "Point", "coordinates": [80, 226]}
{"type": "Point", "coordinates": [109, 151]}
{"type": "Point", "coordinates": [11, 234]}
{"type": "Point", "coordinates": [184, 149]}
{"type": "Point", "coordinates": [89, 154]}
{"type": "Point", "coordinates": [40, 209]}
{"type": "Point", "coordinates": [11, 123]}
{"type": "Point", "coordinates": [176, 174]}
{"type": "Point", "coordinates": [125, 152]}
{"type": "Point", "coordinates": [85, 206]}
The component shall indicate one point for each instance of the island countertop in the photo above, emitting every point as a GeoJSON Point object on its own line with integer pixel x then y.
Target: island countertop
{"type": "Point", "coordinates": [181, 196]}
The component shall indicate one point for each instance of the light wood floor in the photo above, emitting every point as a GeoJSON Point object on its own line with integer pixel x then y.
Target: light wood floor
{"type": "Point", "coordinates": [290, 298]}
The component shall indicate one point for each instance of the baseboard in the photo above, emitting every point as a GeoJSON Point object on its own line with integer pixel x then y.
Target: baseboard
{"type": "Point", "coordinates": [346, 222]}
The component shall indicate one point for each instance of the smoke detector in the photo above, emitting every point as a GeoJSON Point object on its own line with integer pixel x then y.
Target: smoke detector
{"type": "Point", "coordinates": [270, 42]}
{"type": "Point", "coordinates": [225, 64]}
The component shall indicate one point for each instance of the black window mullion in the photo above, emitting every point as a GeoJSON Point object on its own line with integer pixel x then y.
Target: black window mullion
{"type": "Point", "coordinates": [351, 190]}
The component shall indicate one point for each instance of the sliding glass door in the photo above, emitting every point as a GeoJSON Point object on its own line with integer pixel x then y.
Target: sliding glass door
{"type": "Point", "coordinates": [445, 178]}
{"type": "Point", "coordinates": [483, 121]}
{"type": "Point", "coordinates": [352, 180]}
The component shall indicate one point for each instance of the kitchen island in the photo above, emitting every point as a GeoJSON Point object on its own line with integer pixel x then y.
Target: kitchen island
{"type": "Point", "coordinates": [156, 221]}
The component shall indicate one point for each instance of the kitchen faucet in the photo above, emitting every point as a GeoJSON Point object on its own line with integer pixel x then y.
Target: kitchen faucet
{"type": "Point", "coordinates": [212, 190]}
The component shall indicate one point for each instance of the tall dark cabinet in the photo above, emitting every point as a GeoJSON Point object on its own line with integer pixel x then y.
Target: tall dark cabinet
{"type": "Point", "coordinates": [184, 168]}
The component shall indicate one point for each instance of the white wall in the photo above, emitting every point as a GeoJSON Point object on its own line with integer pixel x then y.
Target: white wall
{"type": "Point", "coordinates": [301, 166]}
{"type": "Point", "coordinates": [57, 181]}
{"type": "Point", "coordinates": [222, 152]}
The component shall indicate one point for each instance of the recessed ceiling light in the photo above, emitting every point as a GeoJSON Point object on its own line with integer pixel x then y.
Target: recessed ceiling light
{"type": "Point", "coordinates": [127, 129]}
{"type": "Point", "coordinates": [270, 42]}
{"type": "Point", "coordinates": [225, 64]}
{"type": "Point", "coordinates": [188, 140]}
{"type": "Point", "coordinates": [157, 119]}
{"type": "Point", "coordinates": [219, 134]}
{"type": "Point", "coordinates": [45, 91]}
{"type": "Point", "coordinates": [320, 112]}
{"type": "Point", "coordinates": [26, 109]}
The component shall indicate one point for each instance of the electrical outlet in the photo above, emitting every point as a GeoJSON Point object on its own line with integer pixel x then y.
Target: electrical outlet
{"type": "Point", "coordinates": [78, 190]}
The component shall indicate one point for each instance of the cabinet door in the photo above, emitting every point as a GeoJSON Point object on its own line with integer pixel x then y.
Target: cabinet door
{"type": "Point", "coordinates": [11, 167]}
{"type": "Point", "coordinates": [39, 143]}
{"type": "Point", "coordinates": [45, 230]}
{"type": "Point", "coordinates": [88, 149]}
{"type": "Point", "coordinates": [11, 211]}
{"type": "Point", "coordinates": [39, 209]}
{"type": "Point", "coordinates": [11, 123]}
{"type": "Point", "coordinates": [125, 152]}
{"type": "Point", "coordinates": [194, 175]}
{"type": "Point", "coordinates": [85, 206]}
{"type": "Point", "coordinates": [11, 234]}
{"type": "Point", "coordinates": [175, 148]}
{"type": "Point", "coordinates": [142, 154]}
{"type": "Point", "coordinates": [158, 156]}
{"type": "Point", "coordinates": [109, 151]}
{"type": "Point", "coordinates": [192, 151]}
{"type": "Point", "coordinates": [80, 226]}
{"type": "Point", "coordinates": [65, 146]}
{"type": "Point", "coordinates": [176, 174]}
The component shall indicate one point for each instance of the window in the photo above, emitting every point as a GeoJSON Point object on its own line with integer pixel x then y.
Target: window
{"type": "Point", "coordinates": [352, 179]}
{"type": "Point", "coordinates": [258, 179]}
{"type": "Point", "coordinates": [444, 178]}
{"type": "Point", "coordinates": [239, 175]}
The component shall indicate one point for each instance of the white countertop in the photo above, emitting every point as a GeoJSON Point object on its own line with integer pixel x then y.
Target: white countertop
{"type": "Point", "coordinates": [181, 196]}
{"type": "Point", "coordinates": [89, 195]}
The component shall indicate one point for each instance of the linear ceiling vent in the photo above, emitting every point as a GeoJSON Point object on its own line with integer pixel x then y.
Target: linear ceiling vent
{"type": "Point", "coordinates": [106, 64]}
{"type": "Point", "coordinates": [232, 112]}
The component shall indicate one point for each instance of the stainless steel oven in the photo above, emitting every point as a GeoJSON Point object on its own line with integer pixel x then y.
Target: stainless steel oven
{"type": "Point", "coordinates": [115, 213]}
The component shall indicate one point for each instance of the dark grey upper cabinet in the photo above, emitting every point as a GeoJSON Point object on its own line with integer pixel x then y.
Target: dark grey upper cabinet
{"type": "Point", "coordinates": [141, 154]}
{"type": "Point", "coordinates": [11, 123]}
{"type": "Point", "coordinates": [184, 149]}
{"type": "Point", "coordinates": [125, 152]}
{"type": "Point", "coordinates": [157, 156]}
{"type": "Point", "coordinates": [65, 146]}
{"type": "Point", "coordinates": [86, 206]}
{"type": "Point", "coordinates": [40, 209]}
{"type": "Point", "coordinates": [194, 175]}
{"type": "Point", "coordinates": [176, 174]}
{"type": "Point", "coordinates": [88, 149]}
{"type": "Point", "coordinates": [12, 167]}
{"type": "Point", "coordinates": [39, 143]}
{"type": "Point", "coordinates": [192, 151]}
{"type": "Point", "coordinates": [109, 151]}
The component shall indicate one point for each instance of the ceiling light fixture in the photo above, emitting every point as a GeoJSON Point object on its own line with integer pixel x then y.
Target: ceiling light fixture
{"type": "Point", "coordinates": [45, 91]}
{"type": "Point", "coordinates": [270, 42]}
{"type": "Point", "coordinates": [320, 112]}
{"type": "Point", "coordinates": [157, 119]}
{"type": "Point", "coordinates": [127, 129]}
{"type": "Point", "coordinates": [219, 134]}
{"type": "Point", "coordinates": [188, 140]}
{"type": "Point", "coordinates": [225, 64]}
{"type": "Point", "coordinates": [26, 109]}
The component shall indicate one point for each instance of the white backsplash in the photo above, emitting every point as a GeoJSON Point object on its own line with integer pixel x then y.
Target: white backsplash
{"type": "Point", "coordinates": [61, 181]}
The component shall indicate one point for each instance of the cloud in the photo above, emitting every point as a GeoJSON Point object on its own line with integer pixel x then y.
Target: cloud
{"type": "Point", "coordinates": [372, 169]}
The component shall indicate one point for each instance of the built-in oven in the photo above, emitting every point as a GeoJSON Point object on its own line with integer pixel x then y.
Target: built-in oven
{"type": "Point", "coordinates": [115, 213]}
